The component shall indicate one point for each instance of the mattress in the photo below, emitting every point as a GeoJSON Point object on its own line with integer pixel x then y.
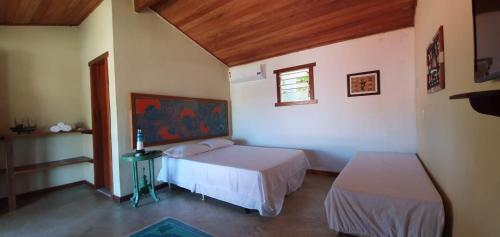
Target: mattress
{"type": "Point", "coordinates": [385, 194]}
{"type": "Point", "coordinates": [251, 177]}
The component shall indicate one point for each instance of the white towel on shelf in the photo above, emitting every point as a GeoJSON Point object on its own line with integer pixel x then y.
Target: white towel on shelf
{"type": "Point", "coordinates": [55, 129]}
{"type": "Point", "coordinates": [61, 127]}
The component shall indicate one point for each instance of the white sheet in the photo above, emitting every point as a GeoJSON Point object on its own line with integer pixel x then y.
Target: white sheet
{"type": "Point", "coordinates": [385, 194]}
{"type": "Point", "coordinates": [250, 177]}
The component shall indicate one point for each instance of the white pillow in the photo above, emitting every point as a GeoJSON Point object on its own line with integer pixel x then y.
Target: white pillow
{"type": "Point", "coordinates": [186, 150]}
{"type": "Point", "coordinates": [215, 143]}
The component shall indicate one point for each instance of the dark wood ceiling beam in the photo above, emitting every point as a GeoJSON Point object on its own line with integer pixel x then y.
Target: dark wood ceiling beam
{"type": "Point", "coordinates": [141, 5]}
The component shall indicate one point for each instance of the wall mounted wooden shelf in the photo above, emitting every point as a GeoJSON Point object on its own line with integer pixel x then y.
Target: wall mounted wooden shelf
{"type": "Point", "coordinates": [49, 165]}
{"type": "Point", "coordinates": [10, 170]}
{"type": "Point", "coordinates": [43, 133]}
{"type": "Point", "coordinates": [485, 102]}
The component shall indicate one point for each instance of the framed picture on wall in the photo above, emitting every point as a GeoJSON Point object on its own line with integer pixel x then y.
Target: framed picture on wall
{"type": "Point", "coordinates": [363, 83]}
{"type": "Point", "coordinates": [435, 63]}
{"type": "Point", "coordinates": [170, 119]}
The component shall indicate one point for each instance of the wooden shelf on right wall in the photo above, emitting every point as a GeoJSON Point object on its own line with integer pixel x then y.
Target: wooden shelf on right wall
{"type": "Point", "coordinates": [485, 102]}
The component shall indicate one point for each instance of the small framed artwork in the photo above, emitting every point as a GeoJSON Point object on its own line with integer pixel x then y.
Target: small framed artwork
{"type": "Point", "coordinates": [363, 83]}
{"type": "Point", "coordinates": [435, 63]}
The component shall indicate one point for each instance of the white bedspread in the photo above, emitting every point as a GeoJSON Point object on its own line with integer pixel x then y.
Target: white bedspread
{"type": "Point", "coordinates": [385, 194]}
{"type": "Point", "coordinates": [250, 177]}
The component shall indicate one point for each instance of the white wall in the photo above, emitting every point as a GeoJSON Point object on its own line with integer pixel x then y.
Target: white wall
{"type": "Point", "coordinates": [96, 38]}
{"type": "Point", "coordinates": [40, 79]}
{"type": "Point", "coordinates": [459, 146]}
{"type": "Point", "coordinates": [44, 72]}
{"type": "Point", "coordinates": [152, 56]}
{"type": "Point", "coordinates": [333, 130]}
{"type": "Point", "coordinates": [36, 63]}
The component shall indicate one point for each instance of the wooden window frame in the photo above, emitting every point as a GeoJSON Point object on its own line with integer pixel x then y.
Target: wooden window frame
{"type": "Point", "coordinates": [312, 100]}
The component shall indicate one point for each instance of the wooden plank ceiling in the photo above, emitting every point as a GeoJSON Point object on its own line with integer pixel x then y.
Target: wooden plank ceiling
{"type": "Point", "coordinates": [45, 12]}
{"type": "Point", "coordinates": [242, 31]}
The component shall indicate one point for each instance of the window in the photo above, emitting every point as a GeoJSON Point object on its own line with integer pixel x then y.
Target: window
{"type": "Point", "coordinates": [295, 85]}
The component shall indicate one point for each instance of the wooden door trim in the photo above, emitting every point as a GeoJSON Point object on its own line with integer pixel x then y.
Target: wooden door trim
{"type": "Point", "coordinates": [98, 165]}
{"type": "Point", "coordinates": [100, 58]}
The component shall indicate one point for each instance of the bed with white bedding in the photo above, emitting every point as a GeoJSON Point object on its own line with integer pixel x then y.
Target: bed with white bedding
{"type": "Point", "coordinates": [251, 177]}
{"type": "Point", "coordinates": [385, 194]}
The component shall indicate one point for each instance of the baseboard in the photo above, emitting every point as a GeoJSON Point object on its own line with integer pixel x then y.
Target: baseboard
{"type": "Point", "coordinates": [115, 198]}
{"type": "Point", "coordinates": [88, 183]}
{"type": "Point", "coordinates": [40, 192]}
{"type": "Point", "coordinates": [27, 195]}
{"type": "Point", "coordinates": [323, 172]}
{"type": "Point", "coordinates": [128, 196]}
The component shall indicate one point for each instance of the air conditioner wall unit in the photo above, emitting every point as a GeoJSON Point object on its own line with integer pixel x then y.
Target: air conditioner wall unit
{"type": "Point", "coordinates": [249, 72]}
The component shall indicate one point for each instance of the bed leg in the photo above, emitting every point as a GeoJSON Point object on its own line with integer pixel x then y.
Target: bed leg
{"type": "Point", "coordinates": [203, 197]}
{"type": "Point", "coordinates": [169, 186]}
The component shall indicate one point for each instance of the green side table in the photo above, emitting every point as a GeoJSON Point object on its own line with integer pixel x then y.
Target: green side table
{"type": "Point", "coordinates": [147, 187]}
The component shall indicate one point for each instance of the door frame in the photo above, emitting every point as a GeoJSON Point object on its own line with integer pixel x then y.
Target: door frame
{"type": "Point", "coordinates": [99, 181]}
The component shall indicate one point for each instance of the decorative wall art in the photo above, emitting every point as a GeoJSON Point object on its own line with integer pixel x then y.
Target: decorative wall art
{"type": "Point", "coordinates": [169, 119]}
{"type": "Point", "coordinates": [364, 83]}
{"type": "Point", "coordinates": [435, 63]}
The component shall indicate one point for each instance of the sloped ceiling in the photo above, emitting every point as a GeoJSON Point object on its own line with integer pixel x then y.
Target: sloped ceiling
{"type": "Point", "coordinates": [45, 12]}
{"type": "Point", "coordinates": [242, 31]}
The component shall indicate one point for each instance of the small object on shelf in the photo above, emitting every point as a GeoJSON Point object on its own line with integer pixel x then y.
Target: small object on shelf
{"type": "Point", "coordinates": [139, 148]}
{"type": "Point", "coordinates": [484, 102]}
{"type": "Point", "coordinates": [66, 128]}
{"type": "Point", "coordinates": [61, 127]}
{"type": "Point", "coordinates": [21, 128]}
{"type": "Point", "coordinates": [55, 129]}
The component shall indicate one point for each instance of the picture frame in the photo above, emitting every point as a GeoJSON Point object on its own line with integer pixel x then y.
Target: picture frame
{"type": "Point", "coordinates": [363, 83]}
{"type": "Point", "coordinates": [171, 119]}
{"type": "Point", "coordinates": [436, 63]}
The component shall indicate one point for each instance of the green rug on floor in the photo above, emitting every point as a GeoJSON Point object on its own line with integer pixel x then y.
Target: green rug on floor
{"type": "Point", "coordinates": [170, 228]}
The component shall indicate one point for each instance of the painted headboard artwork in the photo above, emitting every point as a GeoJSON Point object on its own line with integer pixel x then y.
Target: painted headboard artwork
{"type": "Point", "coordinates": [170, 119]}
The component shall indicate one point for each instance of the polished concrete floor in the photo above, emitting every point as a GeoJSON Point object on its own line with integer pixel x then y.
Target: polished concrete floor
{"type": "Point", "coordinates": [79, 211]}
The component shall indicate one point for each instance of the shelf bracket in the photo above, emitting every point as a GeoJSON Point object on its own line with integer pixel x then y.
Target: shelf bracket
{"type": "Point", "coordinates": [484, 102]}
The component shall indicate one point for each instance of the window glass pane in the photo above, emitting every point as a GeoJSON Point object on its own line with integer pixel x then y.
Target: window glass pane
{"type": "Point", "coordinates": [295, 85]}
